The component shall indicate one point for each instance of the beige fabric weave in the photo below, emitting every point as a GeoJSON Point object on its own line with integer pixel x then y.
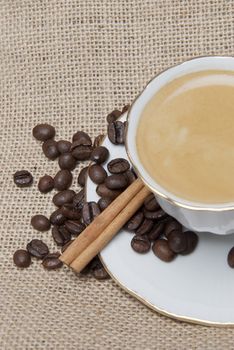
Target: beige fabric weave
{"type": "Point", "coordinates": [70, 62]}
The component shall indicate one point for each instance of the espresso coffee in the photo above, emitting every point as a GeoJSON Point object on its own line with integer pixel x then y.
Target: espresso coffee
{"type": "Point", "coordinates": [185, 137]}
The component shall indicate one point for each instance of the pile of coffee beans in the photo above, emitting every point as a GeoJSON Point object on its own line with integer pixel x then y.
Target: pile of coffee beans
{"type": "Point", "coordinates": [151, 225]}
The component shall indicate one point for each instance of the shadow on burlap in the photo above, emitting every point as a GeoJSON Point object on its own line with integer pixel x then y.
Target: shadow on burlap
{"type": "Point", "coordinates": [69, 63]}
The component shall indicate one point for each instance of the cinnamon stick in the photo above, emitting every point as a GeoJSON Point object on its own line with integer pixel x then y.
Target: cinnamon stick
{"type": "Point", "coordinates": [100, 223]}
{"type": "Point", "coordinates": [110, 231]}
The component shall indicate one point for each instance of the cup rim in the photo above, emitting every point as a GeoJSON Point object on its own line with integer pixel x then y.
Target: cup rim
{"type": "Point", "coordinates": [180, 202]}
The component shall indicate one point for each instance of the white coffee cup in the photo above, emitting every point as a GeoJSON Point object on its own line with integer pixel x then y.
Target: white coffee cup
{"type": "Point", "coordinates": [216, 218]}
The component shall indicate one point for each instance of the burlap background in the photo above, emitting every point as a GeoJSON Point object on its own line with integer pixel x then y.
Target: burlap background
{"type": "Point", "coordinates": [69, 63]}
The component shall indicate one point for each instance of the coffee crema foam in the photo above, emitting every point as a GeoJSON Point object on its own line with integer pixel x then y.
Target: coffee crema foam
{"type": "Point", "coordinates": [185, 137]}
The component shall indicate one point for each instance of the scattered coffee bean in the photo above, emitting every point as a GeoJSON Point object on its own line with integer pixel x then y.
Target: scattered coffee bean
{"type": "Point", "coordinates": [151, 203]}
{"type": "Point", "coordinates": [98, 140]}
{"type": "Point", "coordinates": [113, 116]}
{"type": "Point", "coordinates": [116, 132]}
{"type": "Point", "coordinates": [81, 151]}
{"type": "Point", "coordinates": [171, 226]}
{"type": "Point", "coordinates": [63, 197]}
{"type": "Point", "coordinates": [57, 218]}
{"type": "Point", "coordinates": [116, 182]}
{"type": "Point", "coordinates": [230, 258]}
{"type": "Point", "coordinates": [105, 192]}
{"type": "Point", "coordinates": [141, 244]}
{"type": "Point", "coordinates": [78, 200]}
{"type": "Point", "coordinates": [63, 180]}
{"type": "Point", "coordinates": [118, 165]}
{"type": "Point", "coordinates": [90, 211]}
{"type": "Point", "coordinates": [70, 212]}
{"type": "Point", "coordinates": [177, 241]}
{"type": "Point", "coordinates": [162, 250]}
{"type": "Point", "coordinates": [40, 223]}
{"type": "Point", "coordinates": [135, 221]}
{"type": "Point", "coordinates": [23, 178]}
{"type": "Point", "coordinates": [99, 155]}
{"type": "Point", "coordinates": [51, 261]}
{"type": "Point", "coordinates": [75, 227]}
{"type": "Point", "coordinates": [156, 231]}
{"type": "Point", "coordinates": [46, 184]}
{"type": "Point", "coordinates": [130, 176]}
{"type": "Point", "coordinates": [82, 137]}
{"type": "Point", "coordinates": [67, 161]}
{"type": "Point", "coordinates": [43, 132]}
{"type": "Point", "coordinates": [145, 227]}
{"type": "Point", "coordinates": [97, 173]}
{"type": "Point", "coordinates": [103, 203]}
{"type": "Point", "coordinates": [155, 215]}
{"type": "Point", "coordinates": [97, 269]}
{"type": "Point", "coordinates": [50, 149]}
{"type": "Point", "coordinates": [65, 246]}
{"type": "Point", "coordinates": [192, 240]}
{"type": "Point", "coordinates": [125, 108]}
{"type": "Point", "coordinates": [61, 235]}
{"type": "Point", "coordinates": [63, 146]}
{"type": "Point", "coordinates": [82, 176]}
{"type": "Point", "coordinates": [37, 248]}
{"type": "Point", "coordinates": [22, 258]}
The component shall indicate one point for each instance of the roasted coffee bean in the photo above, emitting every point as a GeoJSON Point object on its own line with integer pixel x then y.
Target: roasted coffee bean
{"type": "Point", "coordinates": [192, 240]}
{"type": "Point", "coordinates": [156, 231]}
{"type": "Point", "coordinates": [170, 226]}
{"type": "Point", "coordinates": [43, 132]}
{"type": "Point", "coordinates": [125, 108]}
{"type": "Point", "coordinates": [70, 212]}
{"type": "Point", "coordinates": [82, 176]}
{"type": "Point", "coordinates": [141, 244]}
{"type": "Point", "coordinates": [116, 182]}
{"type": "Point", "coordinates": [75, 227]}
{"type": "Point", "coordinates": [40, 223]}
{"type": "Point", "coordinates": [57, 218]}
{"type": "Point", "coordinates": [150, 203]}
{"type": "Point", "coordinates": [130, 176]}
{"type": "Point", "coordinates": [162, 250]}
{"type": "Point", "coordinates": [118, 165]}
{"type": "Point", "coordinates": [22, 258]}
{"type": "Point", "coordinates": [23, 178]}
{"type": "Point", "coordinates": [50, 149]}
{"type": "Point", "coordinates": [67, 161]}
{"type": "Point", "coordinates": [97, 173]}
{"type": "Point", "coordinates": [78, 200]}
{"type": "Point", "coordinates": [65, 246]}
{"type": "Point", "coordinates": [37, 248]}
{"type": "Point", "coordinates": [155, 215]}
{"type": "Point", "coordinates": [61, 235]}
{"type": "Point", "coordinates": [81, 151]}
{"type": "Point", "coordinates": [82, 137]}
{"type": "Point", "coordinates": [99, 155]}
{"type": "Point", "coordinates": [105, 192]}
{"type": "Point", "coordinates": [46, 184]}
{"type": "Point", "coordinates": [98, 270]}
{"type": "Point", "coordinates": [145, 227]}
{"type": "Point", "coordinates": [98, 140]}
{"type": "Point", "coordinates": [230, 257]}
{"type": "Point", "coordinates": [51, 261]}
{"type": "Point", "coordinates": [103, 203]}
{"type": "Point", "coordinates": [63, 180]}
{"type": "Point", "coordinates": [116, 132]}
{"type": "Point", "coordinates": [90, 211]}
{"type": "Point", "coordinates": [63, 197]}
{"type": "Point", "coordinates": [177, 241]}
{"type": "Point", "coordinates": [63, 146]}
{"type": "Point", "coordinates": [135, 221]}
{"type": "Point", "coordinates": [113, 116]}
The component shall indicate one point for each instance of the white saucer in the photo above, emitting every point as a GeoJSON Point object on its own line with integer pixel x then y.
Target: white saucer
{"type": "Point", "coordinates": [196, 288]}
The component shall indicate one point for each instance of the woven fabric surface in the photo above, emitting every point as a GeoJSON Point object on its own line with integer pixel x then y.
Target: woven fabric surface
{"type": "Point", "coordinates": [69, 63]}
